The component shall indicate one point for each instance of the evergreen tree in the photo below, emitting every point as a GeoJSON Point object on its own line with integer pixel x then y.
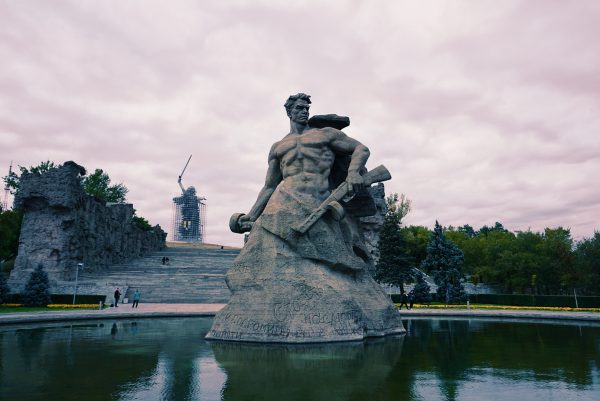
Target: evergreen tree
{"type": "Point", "coordinates": [422, 291]}
{"type": "Point", "coordinates": [394, 266]}
{"type": "Point", "coordinates": [4, 290]}
{"type": "Point", "coordinates": [37, 290]}
{"type": "Point", "coordinates": [445, 260]}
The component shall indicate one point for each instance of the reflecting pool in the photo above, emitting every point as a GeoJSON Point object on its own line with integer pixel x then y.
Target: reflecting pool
{"type": "Point", "coordinates": [167, 359]}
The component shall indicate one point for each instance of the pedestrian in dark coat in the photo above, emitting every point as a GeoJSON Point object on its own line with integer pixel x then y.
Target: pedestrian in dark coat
{"type": "Point", "coordinates": [403, 300]}
{"type": "Point", "coordinates": [117, 297]}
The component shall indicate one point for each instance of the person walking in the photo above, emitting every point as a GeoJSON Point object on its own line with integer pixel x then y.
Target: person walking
{"type": "Point", "coordinates": [411, 299]}
{"type": "Point", "coordinates": [403, 300]}
{"type": "Point", "coordinates": [117, 297]}
{"type": "Point", "coordinates": [136, 299]}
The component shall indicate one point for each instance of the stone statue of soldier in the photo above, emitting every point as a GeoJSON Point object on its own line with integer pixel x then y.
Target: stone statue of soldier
{"type": "Point", "coordinates": [302, 275]}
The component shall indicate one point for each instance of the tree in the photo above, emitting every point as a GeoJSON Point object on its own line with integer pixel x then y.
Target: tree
{"type": "Point", "coordinates": [398, 205]}
{"type": "Point", "coordinates": [422, 291]}
{"type": "Point", "coordinates": [4, 290]}
{"type": "Point", "coordinates": [445, 260]}
{"type": "Point", "coordinates": [10, 229]}
{"type": "Point", "coordinates": [12, 179]}
{"type": "Point", "coordinates": [587, 263]}
{"type": "Point", "coordinates": [141, 223]}
{"type": "Point", "coordinates": [37, 290]}
{"type": "Point", "coordinates": [394, 266]}
{"type": "Point", "coordinates": [498, 227]}
{"type": "Point", "coordinates": [558, 274]}
{"type": "Point", "coordinates": [468, 230]}
{"type": "Point", "coordinates": [416, 238]}
{"type": "Point", "coordinates": [98, 184]}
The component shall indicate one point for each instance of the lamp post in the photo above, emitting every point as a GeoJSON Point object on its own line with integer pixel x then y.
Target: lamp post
{"type": "Point", "coordinates": [79, 265]}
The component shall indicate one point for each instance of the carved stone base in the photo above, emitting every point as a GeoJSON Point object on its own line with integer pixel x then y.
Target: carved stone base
{"type": "Point", "coordinates": [278, 296]}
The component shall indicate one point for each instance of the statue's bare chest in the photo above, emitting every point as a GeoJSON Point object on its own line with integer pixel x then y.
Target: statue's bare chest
{"type": "Point", "coordinates": [312, 143]}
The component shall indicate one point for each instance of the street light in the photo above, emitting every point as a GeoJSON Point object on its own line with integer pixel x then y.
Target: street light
{"type": "Point", "coordinates": [79, 265]}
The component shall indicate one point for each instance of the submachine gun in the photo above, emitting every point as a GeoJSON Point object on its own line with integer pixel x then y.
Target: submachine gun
{"type": "Point", "coordinates": [332, 203]}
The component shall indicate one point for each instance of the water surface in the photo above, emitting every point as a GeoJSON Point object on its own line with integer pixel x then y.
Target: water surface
{"type": "Point", "coordinates": [167, 359]}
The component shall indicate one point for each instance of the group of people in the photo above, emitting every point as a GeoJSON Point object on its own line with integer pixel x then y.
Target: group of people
{"type": "Point", "coordinates": [407, 300]}
{"type": "Point", "coordinates": [136, 298]}
{"type": "Point", "coordinates": [165, 260]}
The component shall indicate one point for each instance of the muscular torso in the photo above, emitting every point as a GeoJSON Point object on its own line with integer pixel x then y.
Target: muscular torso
{"type": "Point", "coordinates": [305, 160]}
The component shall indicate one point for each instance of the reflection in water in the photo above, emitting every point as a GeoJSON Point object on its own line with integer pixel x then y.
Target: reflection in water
{"type": "Point", "coordinates": [167, 359]}
{"type": "Point", "coordinates": [148, 388]}
{"type": "Point", "coordinates": [341, 371]}
{"type": "Point", "coordinates": [209, 379]}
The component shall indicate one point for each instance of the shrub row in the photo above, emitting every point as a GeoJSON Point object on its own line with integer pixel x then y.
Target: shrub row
{"type": "Point", "coordinates": [62, 299]}
{"type": "Point", "coordinates": [562, 301]}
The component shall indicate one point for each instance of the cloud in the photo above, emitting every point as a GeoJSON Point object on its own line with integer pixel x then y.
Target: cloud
{"type": "Point", "coordinates": [482, 111]}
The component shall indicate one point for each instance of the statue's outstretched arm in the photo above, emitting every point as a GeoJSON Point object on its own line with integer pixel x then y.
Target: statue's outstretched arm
{"type": "Point", "coordinates": [181, 186]}
{"type": "Point", "coordinates": [239, 222]}
{"type": "Point", "coordinates": [273, 179]}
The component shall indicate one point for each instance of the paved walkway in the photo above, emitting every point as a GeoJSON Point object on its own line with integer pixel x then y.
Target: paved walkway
{"type": "Point", "coordinates": [186, 310]}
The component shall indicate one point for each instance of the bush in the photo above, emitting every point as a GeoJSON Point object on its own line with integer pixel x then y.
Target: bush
{"type": "Point", "coordinates": [141, 223]}
{"type": "Point", "coordinates": [37, 290]}
{"type": "Point", "coordinates": [59, 299]}
{"type": "Point", "coordinates": [80, 299]}
{"type": "Point", "coordinates": [562, 301]}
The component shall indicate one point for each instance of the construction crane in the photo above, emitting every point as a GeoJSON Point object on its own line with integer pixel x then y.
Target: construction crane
{"type": "Point", "coordinates": [7, 189]}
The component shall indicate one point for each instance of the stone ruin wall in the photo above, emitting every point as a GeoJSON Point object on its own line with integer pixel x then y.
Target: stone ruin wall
{"type": "Point", "coordinates": [63, 226]}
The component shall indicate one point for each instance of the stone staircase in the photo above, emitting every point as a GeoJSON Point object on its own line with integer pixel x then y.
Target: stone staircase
{"type": "Point", "coordinates": [194, 275]}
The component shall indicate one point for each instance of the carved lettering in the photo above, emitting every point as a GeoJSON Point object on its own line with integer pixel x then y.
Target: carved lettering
{"type": "Point", "coordinates": [349, 318]}
{"type": "Point", "coordinates": [227, 335]}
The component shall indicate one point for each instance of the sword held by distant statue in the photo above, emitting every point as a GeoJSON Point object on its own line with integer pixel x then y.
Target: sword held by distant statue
{"type": "Point", "coordinates": [181, 175]}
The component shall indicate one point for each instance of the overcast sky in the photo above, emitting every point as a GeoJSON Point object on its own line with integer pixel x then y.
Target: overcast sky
{"type": "Point", "coordinates": [483, 111]}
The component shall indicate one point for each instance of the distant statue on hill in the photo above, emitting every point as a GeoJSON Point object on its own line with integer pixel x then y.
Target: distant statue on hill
{"type": "Point", "coordinates": [188, 224]}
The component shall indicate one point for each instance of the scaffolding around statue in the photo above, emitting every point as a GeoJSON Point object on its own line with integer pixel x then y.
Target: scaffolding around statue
{"type": "Point", "coordinates": [189, 214]}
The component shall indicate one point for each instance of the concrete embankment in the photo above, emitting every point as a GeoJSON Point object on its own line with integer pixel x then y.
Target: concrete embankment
{"type": "Point", "coordinates": [155, 310]}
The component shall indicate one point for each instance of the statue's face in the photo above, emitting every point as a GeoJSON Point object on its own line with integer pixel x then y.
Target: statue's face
{"type": "Point", "coordinates": [299, 112]}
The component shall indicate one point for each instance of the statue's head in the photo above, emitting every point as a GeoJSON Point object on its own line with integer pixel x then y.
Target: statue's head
{"type": "Point", "coordinates": [297, 107]}
{"type": "Point", "coordinates": [190, 191]}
